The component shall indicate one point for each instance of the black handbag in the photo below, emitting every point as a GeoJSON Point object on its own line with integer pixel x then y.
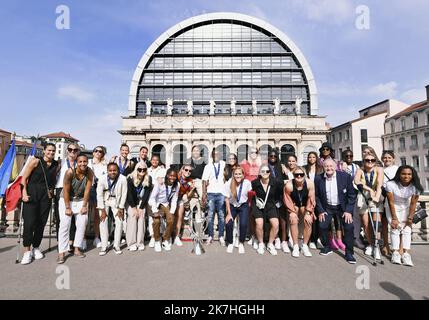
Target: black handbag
{"type": "Point", "coordinates": [419, 215]}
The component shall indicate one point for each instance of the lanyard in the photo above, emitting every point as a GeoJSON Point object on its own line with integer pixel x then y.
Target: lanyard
{"type": "Point", "coordinates": [369, 182]}
{"type": "Point", "coordinates": [168, 193]}
{"type": "Point", "coordinates": [122, 168]}
{"type": "Point", "coordinates": [111, 186]}
{"type": "Point", "coordinates": [273, 171]}
{"type": "Point", "coordinates": [68, 164]}
{"type": "Point", "coordinates": [217, 171]}
{"type": "Point", "coordinates": [239, 192]}
{"type": "Point", "coordinates": [139, 189]}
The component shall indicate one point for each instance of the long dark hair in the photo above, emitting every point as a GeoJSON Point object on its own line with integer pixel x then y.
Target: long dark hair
{"type": "Point", "coordinates": [319, 168]}
{"type": "Point", "coordinates": [415, 181]}
{"type": "Point", "coordinates": [277, 165]}
{"type": "Point", "coordinates": [227, 173]}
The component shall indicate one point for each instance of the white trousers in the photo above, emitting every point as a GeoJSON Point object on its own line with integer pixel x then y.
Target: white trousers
{"type": "Point", "coordinates": [403, 229]}
{"type": "Point", "coordinates": [120, 225]}
{"type": "Point", "coordinates": [135, 228]}
{"type": "Point", "coordinates": [65, 222]}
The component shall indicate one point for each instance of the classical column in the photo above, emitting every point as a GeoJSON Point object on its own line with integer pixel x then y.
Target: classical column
{"type": "Point", "coordinates": [168, 153]}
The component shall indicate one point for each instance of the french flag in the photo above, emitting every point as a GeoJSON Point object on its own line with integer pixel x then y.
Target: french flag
{"type": "Point", "coordinates": [13, 192]}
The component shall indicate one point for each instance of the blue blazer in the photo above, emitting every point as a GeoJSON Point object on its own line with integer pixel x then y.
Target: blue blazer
{"type": "Point", "coordinates": [346, 192]}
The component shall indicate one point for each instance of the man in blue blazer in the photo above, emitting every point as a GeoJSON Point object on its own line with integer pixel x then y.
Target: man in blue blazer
{"type": "Point", "coordinates": [335, 195]}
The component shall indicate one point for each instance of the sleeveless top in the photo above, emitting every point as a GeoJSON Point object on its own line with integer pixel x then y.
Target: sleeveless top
{"type": "Point", "coordinates": [77, 188]}
{"type": "Point", "coordinates": [370, 179]}
{"type": "Point", "coordinates": [299, 197]}
{"type": "Point", "coordinates": [37, 177]}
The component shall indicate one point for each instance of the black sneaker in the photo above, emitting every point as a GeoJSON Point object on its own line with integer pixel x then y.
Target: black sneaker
{"type": "Point", "coordinates": [325, 251]}
{"type": "Point", "coordinates": [350, 259]}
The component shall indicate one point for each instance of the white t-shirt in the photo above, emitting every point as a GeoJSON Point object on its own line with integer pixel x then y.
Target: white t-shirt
{"type": "Point", "coordinates": [215, 185]}
{"type": "Point", "coordinates": [389, 174]}
{"type": "Point", "coordinates": [64, 168]}
{"type": "Point", "coordinates": [99, 169]}
{"type": "Point", "coordinates": [401, 195]}
{"type": "Point", "coordinates": [247, 186]}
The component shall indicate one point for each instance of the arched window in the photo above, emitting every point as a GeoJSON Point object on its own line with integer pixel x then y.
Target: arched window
{"type": "Point", "coordinates": [135, 151]}
{"type": "Point", "coordinates": [242, 152]}
{"type": "Point", "coordinates": [179, 154]}
{"type": "Point", "coordinates": [159, 150]}
{"type": "Point", "coordinates": [307, 150]}
{"type": "Point", "coordinates": [204, 151]}
{"type": "Point", "coordinates": [285, 151]}
{"type": "Point", "coordinates": [263, 151]}
{"type": "Point", "coordinates": [224, 151]}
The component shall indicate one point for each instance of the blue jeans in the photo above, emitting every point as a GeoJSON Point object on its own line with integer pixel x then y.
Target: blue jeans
{"type": "Point", "coordinates": [216, 203]}
{"type": "Point", "coordinates": [242, 213]}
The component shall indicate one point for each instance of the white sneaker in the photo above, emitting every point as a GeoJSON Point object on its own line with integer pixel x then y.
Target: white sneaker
{"type": "Point", "coordinates": [396, 257]}
{"type": "Point", "coordinates": [290, 243]}
{"type": "Point", "coordinates": [140, 247]}
{"type": "Point", "coordinates": [377, 253]}
{"type": "Point", "coordinates": [209, 240]}
{"type": "Point", "coordinates": [27, 257]}
{"type": "Point", "coordinates": [261, 248]}
{"type": "Point", "coordinates": [313, 246]}
{"type": "Point", "coordinates": [117, 250]}
{"type": "Point", "coordinates": [102, 252]}
{"type": "Point", "coordinates": [222, 241]}
{"type": "Point", "coordinates": [319, 244]}
{"type": "Point", "coordinates": [152, 242]}
{"type": "Point", "coordinates": [295, 251]}
{"type": "Point", "coordinates": [123, 241]}
{"type": "Point", "coordinates": [97, 243]}
{"type": "Point", "coordinates": [406, 260]}
{"type": "Point", "coordinates": [255, 244]}
{"type": "Point", "coordinates": [37, 254]}
{"type": "Point", "coordinates": [230, 248]}
{"type": "Point", "coordinates": [306, 250]}
{"type": "Point", "coordinates": [166, 245]}
{"type": "Point", "coordinates": [178, 242]}
{"type": "Point", "coordinates": [285, 247]}
{"type": "Point", "coordinates": [157, 246]}
{"type": "Point", "coordinates": [241, 248]}
{"type": "Point", "coordinates": [250, 242]}
{"type": "Point", "coordinates": [83, 247]}
{"type": "Point", "coordinates": [236, 242]}
{"type": "Point", "coordinates": [272, 249]}
{"type": "Point", "coordinates": [368, 251]}
{"type": "Point", "coordinates": [133, 248]}
{"type": "Point", "coordinates": [277, 244]}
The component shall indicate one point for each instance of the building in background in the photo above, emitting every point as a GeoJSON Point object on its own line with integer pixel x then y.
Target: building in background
{"type": "Point", "coordinates": [365, 130]}
{"type": "Point", "coordinates": [5, 139]}
{"type": "Point", "coordinates": [227, 81]}
{"type": "Point", "coordinates": [407, 133]}
{"type": "Point", "coordinates": [61, 141]}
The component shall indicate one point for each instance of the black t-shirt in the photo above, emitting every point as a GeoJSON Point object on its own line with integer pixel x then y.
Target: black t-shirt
{"type": "Point", "coordinates": [197, 167]}
{"type": "Point", "coordinates": [137, 160]}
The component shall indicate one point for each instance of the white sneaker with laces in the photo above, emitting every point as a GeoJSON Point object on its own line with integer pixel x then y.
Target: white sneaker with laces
{"type": "Point", "coordinates": [290, 243]}
{"type": "Point", "coordinates": [272, 249]}
{"type": "Point", "coordinates": [166, 245]}
{"type": "Point", "coordinates": [222, 241]}
{"type": "Point", "coordinates": [97, 243]}
{"type": "Point", "coordinates": [368, 251]}
{"type": "Point", "coordinates": [152, 242]}
{"type": "Point", "coordinates": [230, 248]}
{"type": "Point", "coordinates": [313, 246]}
{"type": "Point", "coordinates": [37, 254]}
{"type": "Point", "coordinates": [295, 251]}
{"type": "Point", "coordinates": [285, 247]}
{"type": "Point", "coordinates": [377, 253]}
{"type": "Point", "coordinates": [102, 252]}
{"type": "Point", "coordinates": [306, 250]}
{"type": "Point", "coordinates": [396, 257]}
{"type": "Point", "coordinates": [261, 248]}
{"type": "Point", "coordinates": [123, 241]}
{"type": "Point", "coordinates": [117, 250]}
{"type": "Point", "coordinates": [241, 248]}
{"type": "Point", "coordinates": [157, 246]}
{"type": "Point", "coordinates": [406, 260]}
{"type": "Point", "coordinates": [277, 244]}
{"type": "Point", "coordinates": [250, 242]}
{"type": "Point", "coordinates": [178, 242]}
{"type": "Point", "coordinates": [27, 257]}
{"type": "Point", "coordinates": [236, 242]}
{"type": "Point", "coordinates": [140, 247]}
{"type": "Point", "coordinates": [319, 244]}
{"type": "Point", "coordinates": [209, 240]}
{"type": "Point", "coordinates": [133, 248]}
{"type": "Point", "coordinates": [255, 244]}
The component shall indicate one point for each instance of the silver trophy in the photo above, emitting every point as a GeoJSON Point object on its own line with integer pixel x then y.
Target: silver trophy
{"type": "Point", "coordinates": [198, 229]}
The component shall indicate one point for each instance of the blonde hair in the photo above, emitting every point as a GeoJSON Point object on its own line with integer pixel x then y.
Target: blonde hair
{"type": "Point", "coordinates": [234, 183]}
{"type": "Point", "coordinates": [135, 177]}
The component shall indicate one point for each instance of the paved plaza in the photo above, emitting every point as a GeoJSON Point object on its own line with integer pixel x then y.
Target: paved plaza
{"type": "Point", "coordinates": [215, 275]}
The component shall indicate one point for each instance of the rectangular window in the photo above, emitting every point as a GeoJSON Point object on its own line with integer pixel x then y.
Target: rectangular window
{"type": "Point", "coordinates": [403, 125]}
{"type": "Point", "coordinates": [340, 138]}
{"type": "Point", "coordinates": [333, 138]}
{"type": "Point", "coordinates": [414, 142]}
{"type": "Point", "coordinates": [403, 161]}
{"type": "Point", "coordinates": [427, 161]}
{"type": "Point", "coordinates": [402, 144]}
{"type": "Point", "coordinates": [426, 137]}
{"type": "Point", "coordinates": [347, 137]}
{"type": "Point", "coordinates": [416, 121]}
{"type": "Point", "coordinates": [392, 127]}
{"type": "Point", "coordinates": [363, 135]}
{"type": "Point", "coordinates": [416, 163]}
{"type": "Point", "coordinates": [391, 145]}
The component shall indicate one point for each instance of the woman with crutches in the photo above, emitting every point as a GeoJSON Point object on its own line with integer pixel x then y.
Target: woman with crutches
{"type": "Point", "coordinates": [402, 195]}
{"type": "Point", "coordinates": [38, 182]}
{"type": "Point", "coordinates": [369, 181]}
{"type": "Point", "coordinates": [139, 189]}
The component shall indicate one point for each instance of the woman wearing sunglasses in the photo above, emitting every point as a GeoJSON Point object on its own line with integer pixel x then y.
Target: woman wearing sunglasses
{"type": "Point", "coordinates": [369, 181]}
{"type": "Point", "coordinates": [232, 163]}
{"type": "Point", "coordinates": [186, 192]}
{"type": "Point", "coordinates": [236, 197]}
{"type": "Point", "coordinates": [264, 207]}
{"type": "Point", "coordinates": [402, 194]}
{"type": "Point", "coordinates": [300, 200]}
{"type": "Point", "coordinates": [139, 189]}
{"type": "Point", "coordinates": [99, 166]}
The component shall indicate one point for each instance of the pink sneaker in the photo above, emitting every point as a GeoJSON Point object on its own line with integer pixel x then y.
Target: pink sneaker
{"type": "Point", "coordinates": [333, 244]}
{"type": "Point", "coordinates": [341, 244]}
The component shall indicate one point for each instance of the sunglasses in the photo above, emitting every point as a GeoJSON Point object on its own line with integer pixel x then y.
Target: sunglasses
{"type": "Point", "coordinates": [97, 151]}
{"type": "Point", "coordinates": [349, 156]}
{"type": "Point", "coordinates": [370, 160]}
{"type": "Point", "coordinates": [187, 170]}
{"type": "Point", "coordinates": [265, 171]}
{"type": "Point", "coordinates": [296, 175]}
{"type": "Point", "coordinates": [273, 156]}
{"type": "Point", "coordinates": [72, 150]}
{"type": "Point", "coordinates": [326, 149]}
{"type": "Point", "coordinates": [141, 169]}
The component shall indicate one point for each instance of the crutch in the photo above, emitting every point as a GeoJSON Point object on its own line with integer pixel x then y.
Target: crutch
{"type": "Point", "coordinates": [50, 222]}
{"type": "Point", "coordinates": [18, 245]}
{"type": "Point", "coordinates": [375, 232]}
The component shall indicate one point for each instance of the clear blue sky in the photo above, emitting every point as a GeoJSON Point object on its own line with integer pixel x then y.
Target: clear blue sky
{"type": "Point", "coordinates": [78, 80]}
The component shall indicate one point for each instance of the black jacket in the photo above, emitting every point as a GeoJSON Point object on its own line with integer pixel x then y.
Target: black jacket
{"type": "Point", "coordinates": [132, 198]}
{"type": "Point", "coordinates": [274, 196]}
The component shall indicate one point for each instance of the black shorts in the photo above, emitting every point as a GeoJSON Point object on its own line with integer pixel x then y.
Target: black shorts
{"type": "Point", "coordinates": [268, 214]}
